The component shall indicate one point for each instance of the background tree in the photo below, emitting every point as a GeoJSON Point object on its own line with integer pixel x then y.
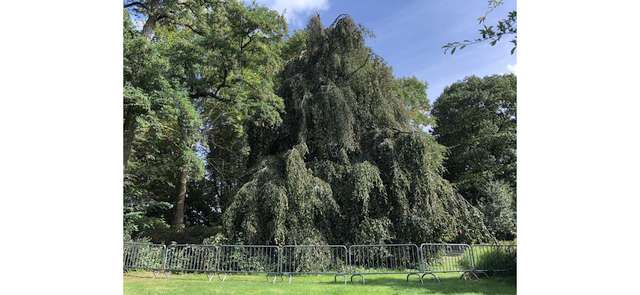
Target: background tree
{"type": "Point", "coordinates": [195, 74]}
{"type": "Point", "coordinates": [164, 157]}
{"type": "Point", "coordinates": [476, 121]}
{"type": "Point", "coordinates": [145, 68]}
{"type": "Point", "coordinates": [229, 63]}
{"type": "Point", "coordinates": [414, 95]}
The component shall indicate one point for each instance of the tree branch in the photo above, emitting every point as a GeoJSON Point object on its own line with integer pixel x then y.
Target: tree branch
{"type": "Point", "coordinates": [224, 81]}
{"type": "Point", "coordinates": [136, 3]}
{"type": "Point", "coordinates": [188, 26]}
{"type": "Point", "coordinates": [208, 94]}
{"type": "Point", "coordinates": [359, 68]}
{"type": "Point", "coordinates": [243, 46]}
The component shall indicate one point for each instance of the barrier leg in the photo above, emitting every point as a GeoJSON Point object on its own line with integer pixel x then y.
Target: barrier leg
{"type": "Point", "coordinates": [416, 274]}
{"type": "Point", "coordinates": [470, 275]}
{"type": "Point", "coordinates": [431, 274]}
{"type": "Point", "coordinates": [481, 272]}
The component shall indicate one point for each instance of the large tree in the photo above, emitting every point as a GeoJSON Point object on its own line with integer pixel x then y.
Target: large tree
{"type": "Point", "coordinates": [145, 68]}
{"type": "Point", "coordinates": [213, 64]}
{"type": "Point", "coordinates": [346, 165]}
{"type": "Point", "coordinates": [476, 121]}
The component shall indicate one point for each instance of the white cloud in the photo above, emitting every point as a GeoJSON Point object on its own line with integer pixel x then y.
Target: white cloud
{"type": "Point", "coordinates": [512, 68]}
{"type": "Point", "coordinates": [296, 11]}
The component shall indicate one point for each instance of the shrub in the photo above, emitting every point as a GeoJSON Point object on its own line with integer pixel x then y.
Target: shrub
{"type": "Point", "coordinates": [495, 259]}
{"type": "Point", "coordinates": [498, 207]}
{"type": "Point", "coordinates": [160, 232]}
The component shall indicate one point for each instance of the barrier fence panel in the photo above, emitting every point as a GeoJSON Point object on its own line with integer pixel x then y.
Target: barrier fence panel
{"type": "Point", "coordinates": [338, 260]}
{"type": "Point", "coordinates": [192, 258]}
{"type": "Point", "coordinates": [248, 259]}
{"type": "Point", "coordinates": [144, 256]}
{"type": "Point", "coordinates": [445, 258]}
{"type": "Point", "coordinates": [314, 259]}
{"type": "Point", "coordinates": [385, 259]}
{"type": "Point", "coordinates": [490, 258]}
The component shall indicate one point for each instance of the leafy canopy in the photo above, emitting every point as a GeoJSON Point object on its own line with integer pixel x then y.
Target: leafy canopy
{"type": "Point", "coordinates": [476, 121]}
{"type": "Point", "coordinates": [346, 165]}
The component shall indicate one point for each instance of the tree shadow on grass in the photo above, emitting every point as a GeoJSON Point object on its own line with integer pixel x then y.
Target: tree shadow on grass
{"type": "Point", "coordinates": [447, 285]}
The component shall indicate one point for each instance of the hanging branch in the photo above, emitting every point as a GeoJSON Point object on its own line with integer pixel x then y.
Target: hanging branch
{"type": "Point", "coordinates": [491, 34]}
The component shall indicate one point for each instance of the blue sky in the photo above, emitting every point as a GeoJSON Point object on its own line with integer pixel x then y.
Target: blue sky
{"type": "Point", "coordinates": [409, 35]}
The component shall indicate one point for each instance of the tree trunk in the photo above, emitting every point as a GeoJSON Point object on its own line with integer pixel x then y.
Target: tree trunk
{"type": "Point", "coordinates": [149, 26]}
{"type": "Point", "coordinates": [178, 218]}
{"type": "Point", "coordinates": [130, 125]}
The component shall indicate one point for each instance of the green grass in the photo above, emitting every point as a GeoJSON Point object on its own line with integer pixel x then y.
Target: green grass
{"type": "Point", "coordinates": [138, 283]}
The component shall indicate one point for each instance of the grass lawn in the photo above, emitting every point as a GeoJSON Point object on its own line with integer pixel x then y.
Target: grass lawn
{"type": "Point", "coordinates": [138, 283]}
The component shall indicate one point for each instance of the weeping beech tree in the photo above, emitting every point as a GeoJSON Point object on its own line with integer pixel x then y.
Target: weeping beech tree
{"type": "Point", "coordinates": [346, 165]}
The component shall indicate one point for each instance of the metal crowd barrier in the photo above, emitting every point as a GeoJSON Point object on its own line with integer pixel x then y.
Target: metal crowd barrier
{"type": "Point", "coordinates": [385, 259]}
{"type": "Point", "coordinates": [192, 258]}
{"type": "Point", "coordinates": [143, 256]}
{"type": "Point", "coordinates": [248, 259]}
{"type": "Point", "coordinates": [489, 258]}
{"type": "Point", "coordinates": [314, 259]}
{"type": "Point", "coordinates": [338, 260]}
{"type": "Point", "coordinates": [446, 258]}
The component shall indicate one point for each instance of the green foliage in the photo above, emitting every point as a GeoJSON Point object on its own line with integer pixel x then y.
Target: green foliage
{"type": "Point", "coordinates": [497, 204]}
{"type": "Point", "coordinates": [158, 231]}
{"type": "Point", "coordinates": [346, 165]}
{"type": "Point", "coordinates": [164, 131]}
{"type": "Point", "coordinates": [491, 34]}
{"type": "Point", "coordinates": [476, 121]}
{"type": "Point", "coordinates": [194, 76]}
{"type": "Point", "coordinates": [217, 239]}
{"type": "Point", "coordinates": [280, 140]}
{"type": "Point", "coordinates": [283, 204]}
{"type": "Point", "coordinates": [165, 142]}
{"type": "Point", "coordinates": [294, 45]}
{"type": "Point", "coordinates": [414, 94]}
{"type": "Point", "coordinates": [499, 261]}
{"type": "Point", "coordinates": [144, 67]}
{"type": "Point", "coordinates": [230, 67]}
